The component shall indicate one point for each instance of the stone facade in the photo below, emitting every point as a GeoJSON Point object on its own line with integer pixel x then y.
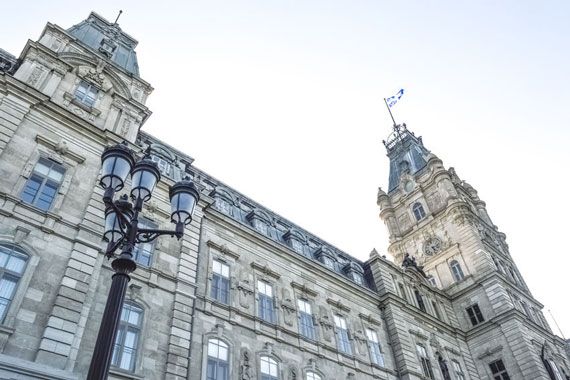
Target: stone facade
{"type": "Point", "coordinates": [242, 275]}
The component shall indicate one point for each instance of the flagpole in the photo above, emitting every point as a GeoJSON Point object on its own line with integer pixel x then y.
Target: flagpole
{"type": "Point", "coordinates": [389, 111]}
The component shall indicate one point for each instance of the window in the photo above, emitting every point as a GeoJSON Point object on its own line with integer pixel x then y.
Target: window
{"type": "Point", "coordinates": [342, 335]}
{"type": "Point", "coordinates": [218, 360]}
{"type": "Point", "coordinates": [86, 93]}
{"type": "Point", "coordinates": [420, 300]}
{"type": "Point", "coordinates": [128, 336]}
{"type": "Point", "coordinates": [268, 368]}
{"type": "Point", "coordinates": [374, 347]}
{"type": "Point", "coordinates": [557, 374]}
{"type": "Point", "coordinates": [459, 375]}
{"type": "Point", "coordinates": [164, 166]}
{"type": "Point", "coordinates": [12, 265]}
{"type": "Point", "coordinates": [220, 290]}
{"type": "Point", "coordinates": [498, 370]}
{"type": "Point", "coordinates": [306, 326]}
{"type": "Point", "coordinates": [328, 262]}
{"type": "Point", "coordinates": [142, 252]}
{"type": "Point", "coordinates": [432, 281]}
{"type": "Point", "coordinates": [418, 210]}
{"type": "Point", "coordinates": [402, 291]}
{"type": "Point", "coordinates": [436, 309]}
{"type": "Point", "coordinates": [312, 376]}
{"type": "Point", "coordinates": [357, 277]}
{"type": "Point", "coordinates": [424, 361]}
{"type": "Point", "coordinates": [456, 271]}
{"type": "Point", "coordinates": [266, 309]}
{"type": "Point", "coordinates": [42, 186]}
{"type": "Point", "coordinates": [443, 367]}
{"type": "Point", "coordinates": [475, 314]}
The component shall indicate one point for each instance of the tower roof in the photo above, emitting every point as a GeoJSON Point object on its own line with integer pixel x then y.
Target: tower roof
{"type": "Point", "coordinates": [406, 152]}
{"type": "Point", "coordinates": [108, 40]}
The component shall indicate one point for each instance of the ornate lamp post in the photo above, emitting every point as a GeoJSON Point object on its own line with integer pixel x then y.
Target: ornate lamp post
{"type": "Point", "coordinates": [122, 231]}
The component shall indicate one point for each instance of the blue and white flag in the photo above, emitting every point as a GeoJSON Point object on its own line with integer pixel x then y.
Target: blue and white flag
{"type": "Point", "coordinates": [394, 99]}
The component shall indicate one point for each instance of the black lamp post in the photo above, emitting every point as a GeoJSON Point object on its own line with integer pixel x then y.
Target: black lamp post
{"type": "Point", "coordinates": [122, 231]}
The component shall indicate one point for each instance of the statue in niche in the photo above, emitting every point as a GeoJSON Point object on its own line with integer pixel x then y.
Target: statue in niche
{"type": "Point", "coordinates": [410, 262]}
{"type": "Point", "coordinates": [245, 365]}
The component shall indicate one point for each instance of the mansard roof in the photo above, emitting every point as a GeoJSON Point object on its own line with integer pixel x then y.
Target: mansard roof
{"type": "Point", "coordinates": [264, 221]}
{"type": "Point", "coordinates": [407, 154]}
{"type": "Point", "coordinates": [7, 61]}
{"type": "Point", "coordinates": [95, 31]}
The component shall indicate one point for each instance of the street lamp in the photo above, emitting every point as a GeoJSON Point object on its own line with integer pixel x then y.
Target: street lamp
{"type": "Point", "coordinates": [122, 231]}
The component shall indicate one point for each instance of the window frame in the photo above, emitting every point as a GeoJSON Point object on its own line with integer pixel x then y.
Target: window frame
{"type": "Point", "coordinates": [266, 303]}
{"type": "Point", "coordinates": [81, 99]}
{"type": "Point", "coordinates": [342, 335]}
{"type": "Point", "coordinates": [419, 211]}
{"type": "Point", "coordinates": [474, 314]}
{"type": "Point", "coordinates": [425, 362]}
{"type": "Point", "coordinates": [314, 375]}
{"type": "Point", "coordinates": [121, 336]}
{"type": "Point", "coordinates": [374, 348]}
{"type": "Point", "coordinates": [44, 179]}
{"type": "Point", "coordinates": [13, 250]}
{"type": "Point", "coordinates": [457, 369]}
{"type": "Point", "coordinates": [456, 271]}
{"type": "Point", "coordinates": [306, 320]}
{"type": "Point", "coordinates": [500, 374]}
{"type": "Point", "coordinates": [271, 361]}
{"type": "Point", "coordinates": [217, 291]}
{"type": "Point", "coordinates": [216, 360]}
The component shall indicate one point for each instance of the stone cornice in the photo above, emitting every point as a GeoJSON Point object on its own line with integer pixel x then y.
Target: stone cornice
{"type": "Point", "coordinates": [369, 318]}
{"type": "Point", "coordinates": [265, 270]}
{"type": "Point", "coordinates": [60, 147]}
{"type": "Point", "coordinates": [304, 289]}
{"type": "Point", "coordinates": [338, 304]}
{"type": "Point", "coordinates": [223, 249]}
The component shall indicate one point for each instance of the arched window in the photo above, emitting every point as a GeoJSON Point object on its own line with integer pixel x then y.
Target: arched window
{"type": "Point", "coordinates": [456, 271]}
{"type": "Point", "coordinates": [268, 368]}
{"type": "Point", "coordinates": [312, 376]}
{"type": "Point", "coordinates": [128, 336]}
{"type": "Point", "coordinates": [418, 210]}
{"type": "Point", "coordinates": [12, 265]}
{"type": "Point", "coordinates": [218, 360]}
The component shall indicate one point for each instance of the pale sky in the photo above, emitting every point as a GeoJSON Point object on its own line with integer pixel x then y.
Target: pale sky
{"type": "Point", "coordinates": [282, 100]}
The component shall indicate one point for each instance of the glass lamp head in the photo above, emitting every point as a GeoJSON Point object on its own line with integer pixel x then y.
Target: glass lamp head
{"type": "Point", "coordinates": [145, 175]}
{"type": "Point", "coordinates": [183, 199]}
{"type": "Point", "coordinates": [116, 164]}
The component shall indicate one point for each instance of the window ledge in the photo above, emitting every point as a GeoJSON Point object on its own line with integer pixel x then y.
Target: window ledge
{"type": "Point", "coordinates": [122, 374]}
{"type": "Point", "coordinates": [4, 329]}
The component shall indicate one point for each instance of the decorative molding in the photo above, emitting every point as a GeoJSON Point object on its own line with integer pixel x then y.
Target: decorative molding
{"type": "Point", "coordinates": [304, 289]}
{"type": "Point", "coordinates": [223, 249]}
{"type": "Point", "coordinates": [418, 333]}
{"type": "Point", "coordinates": [59, 147]}
{"type": "Point", "coordinates": [338, 304]}
{"type": "Point", "coordinates": [452, 350]}
{"type": "Point", "coordinates": [369, 318]}
{"type": "Point", "coordinates": [265, 269]}
{"type": "Point", "coordinates": [489, 352]}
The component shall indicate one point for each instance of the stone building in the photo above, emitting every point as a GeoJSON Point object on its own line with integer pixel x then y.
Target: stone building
{"type": "Point", "coordinates": [246, 294]}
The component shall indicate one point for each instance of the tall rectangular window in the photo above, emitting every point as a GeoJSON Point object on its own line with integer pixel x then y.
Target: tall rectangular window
{"type": "Point", "coordinates": [420, 300]}
{"type": "Point", "coordinates": [374, 347]}
{"type": "Point", "coordinates": [12, 265]}
{"type": "Point", "coordinates": [474, 314]}
{"type": "Point", "coordinates": [142, 252]}
{"type": "Point", "coordinates": [128, 335]}
{"type": "Point", "coordinates": [436, 309]}
{"type": "Point", "coordinates": [41, 188]}
{"type": "Point", "coordinates": [342, 335]}
{"type": "Point", "coordinates": [306, 326]}
{"type": "Point", "coordinates": [218, 360]}
{"type": "Point", "coordinates": [402, 291]}
{"type": "Point", "coordinates": [459, 375]}
{"type": "Point", "coordinates": [424, 361]}
{"type": "Point", "coordinates": [220, 290]}
{"type": "Point", "coordinates": [266, 310]}
{"type": "Point", "coordinates": [86, 93]}
{"type": "Point", "coordinates": [498, 370]}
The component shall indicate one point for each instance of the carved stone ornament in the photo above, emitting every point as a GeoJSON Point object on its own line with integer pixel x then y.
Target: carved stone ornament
{"type": "Point", "coordinates": [360, 340]}
{"type": "Point", "coordinates": [292, 373]}
{"type": "Point", "coordinates": [245, 291]}
{"type": "Point", "coordinates": [245, 365]}
{"type": "Point", "coordinates": [288, 308]}
{"type": "Point", "coordinates": [326, 325]}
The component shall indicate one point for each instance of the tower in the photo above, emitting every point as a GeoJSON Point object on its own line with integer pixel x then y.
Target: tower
{"type": "Point", "coordinates": [437, 218]}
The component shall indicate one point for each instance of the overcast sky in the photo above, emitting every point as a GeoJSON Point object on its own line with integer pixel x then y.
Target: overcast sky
{"type": "Point", "coordinates": [282, 100]}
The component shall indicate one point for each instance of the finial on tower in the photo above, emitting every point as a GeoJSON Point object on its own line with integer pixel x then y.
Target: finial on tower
{"type": "Point", "coordinates": [119, 15]}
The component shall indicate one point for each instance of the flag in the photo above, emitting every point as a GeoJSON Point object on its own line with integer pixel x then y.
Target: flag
{"type": "Point", "coordinates": [392, 100]}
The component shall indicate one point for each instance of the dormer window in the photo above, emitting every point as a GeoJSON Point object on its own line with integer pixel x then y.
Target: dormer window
{"type": "Point", "coordinates": [107, 47]}
{"type": "Point", "coordinates": [325, 256]}
{"type": "Point", "coordinates": [86, 93]}
{"type": "Point", "coordinates": [164, 166]}
{"type": "Point", "coordinates": [418, 210]}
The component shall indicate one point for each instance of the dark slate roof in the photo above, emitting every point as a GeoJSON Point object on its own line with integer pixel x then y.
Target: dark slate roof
{"type": "Point", "coordinates": [95, 29]}
{"type": "Point", "coordinates": [7, 62]}
{"type": "Point", "coordinates": [407, 154]}
{"type": "Point", "coordinates": [260, 219]}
